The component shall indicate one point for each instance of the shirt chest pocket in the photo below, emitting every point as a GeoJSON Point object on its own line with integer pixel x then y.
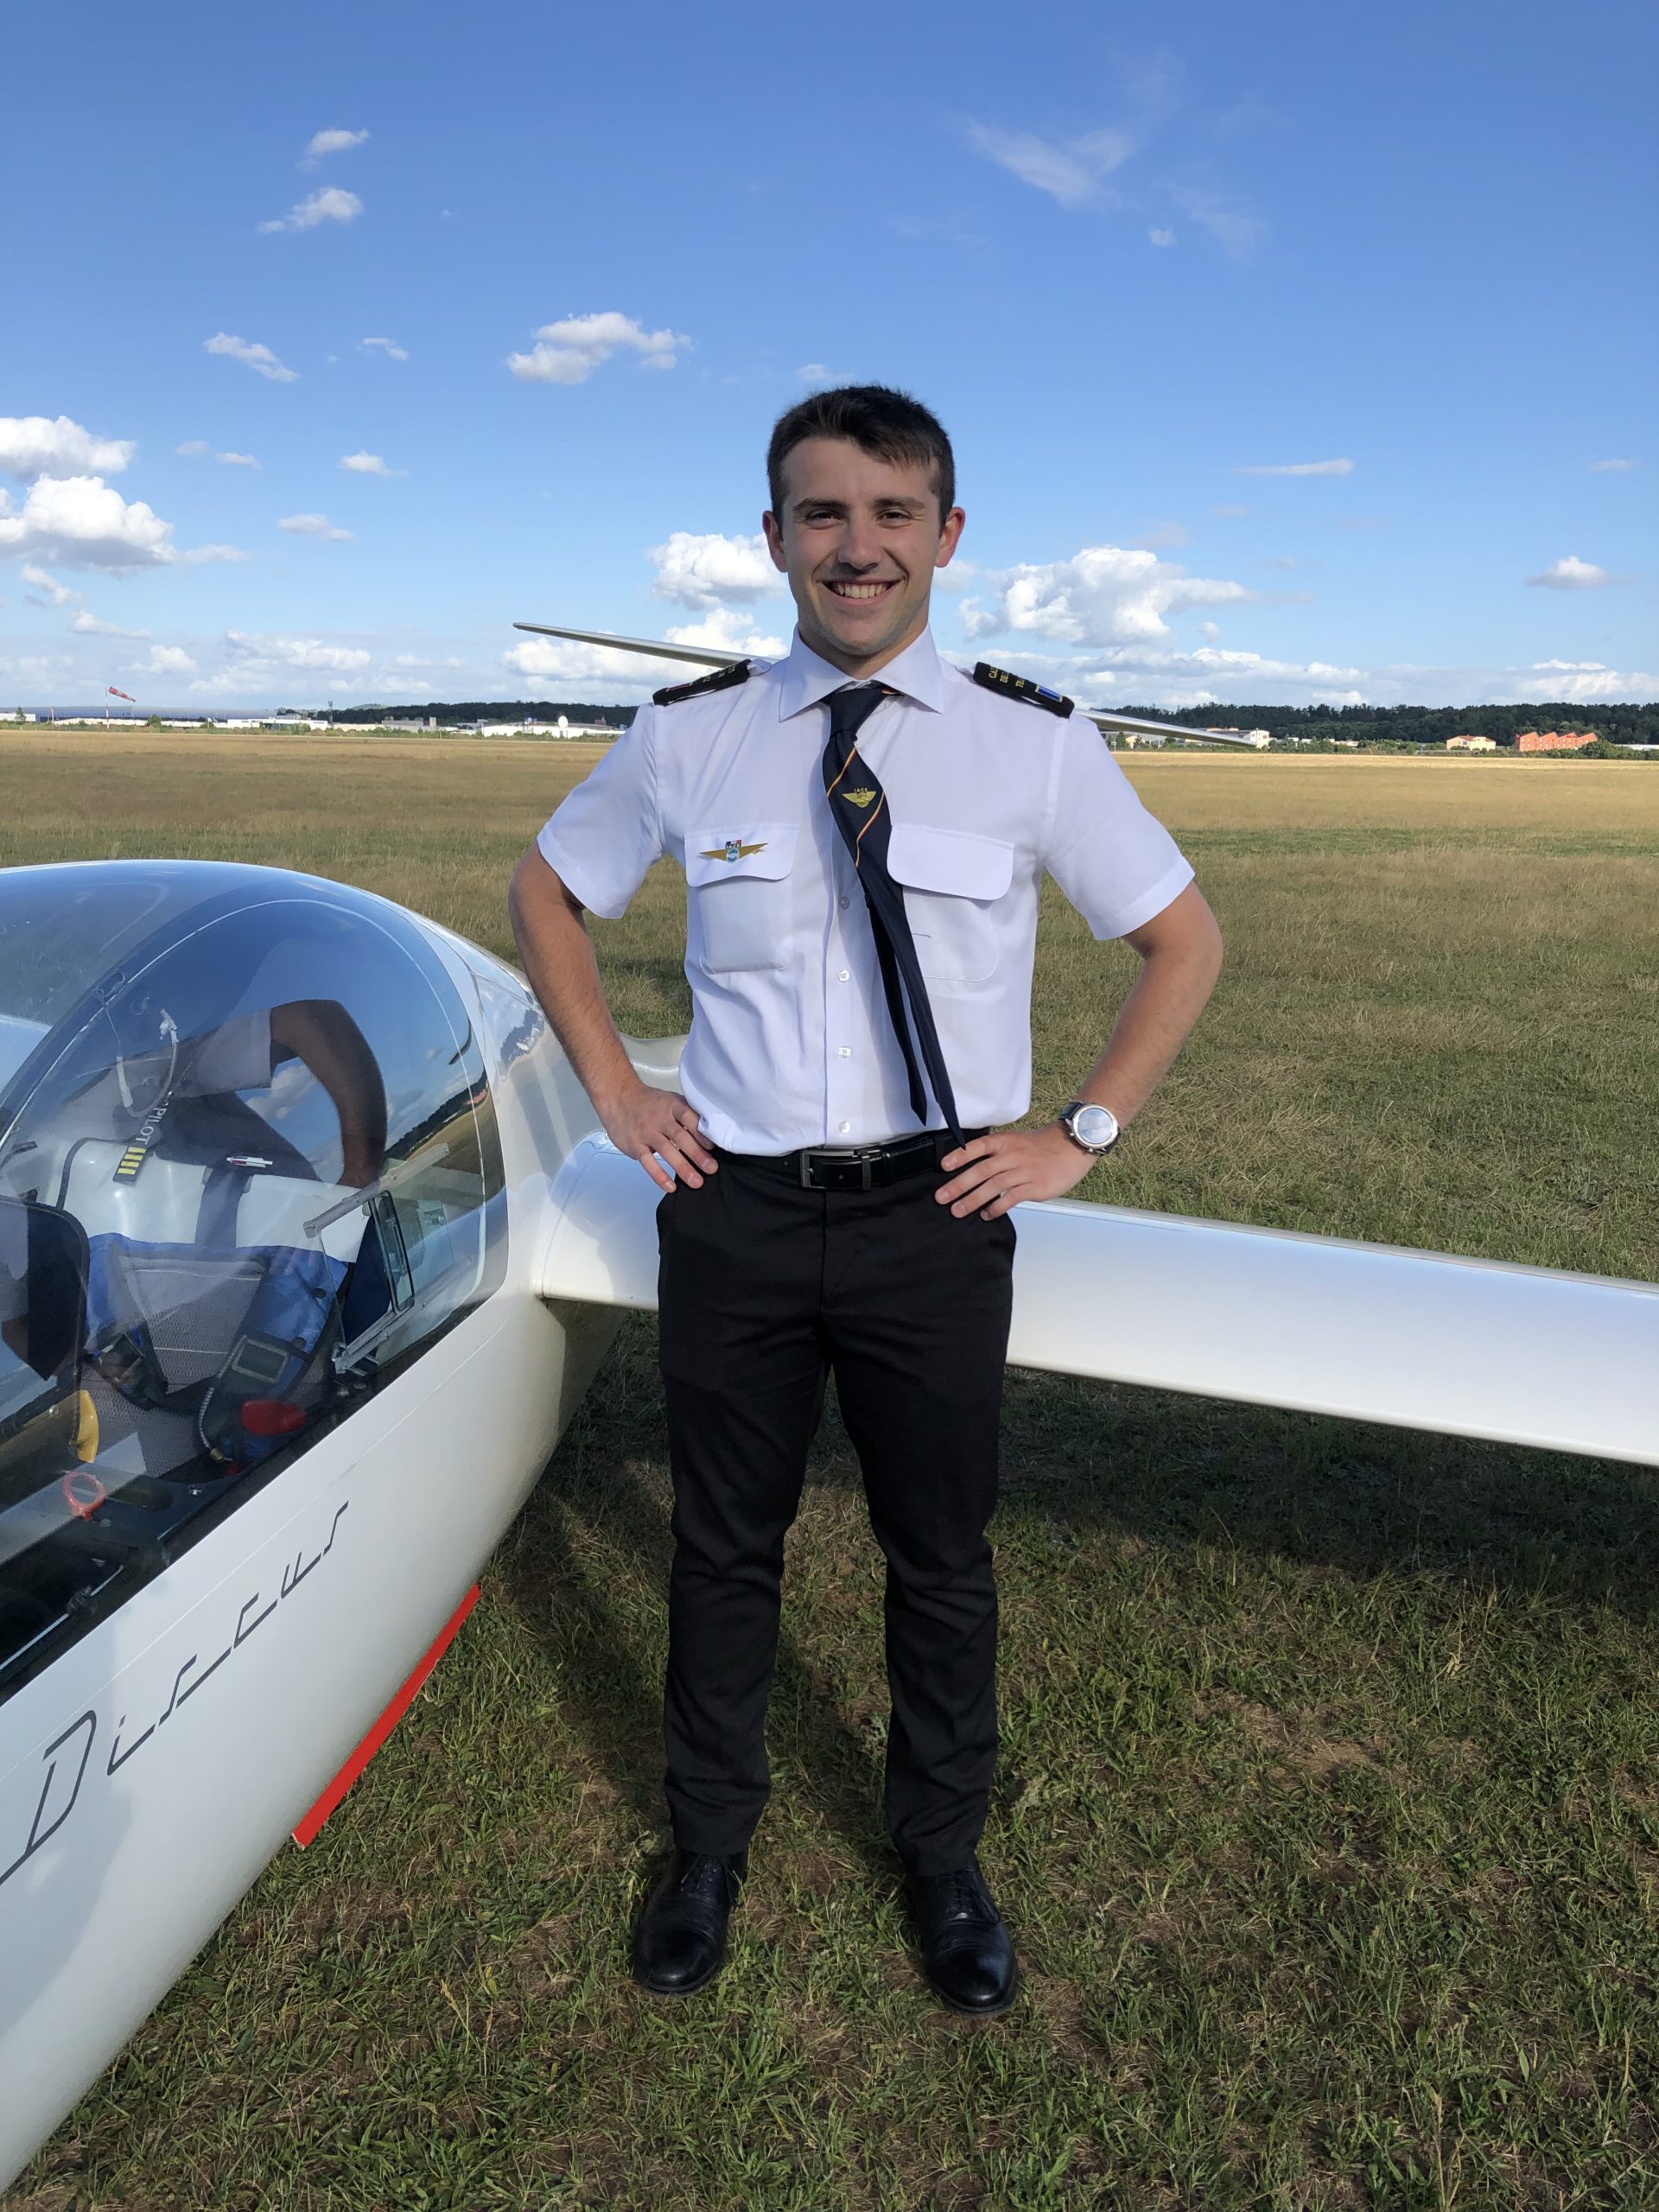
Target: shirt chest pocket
{"type": "Point", "coordinates": [952, 881]}
{"type": "Point", "coordinates": [737, 885]}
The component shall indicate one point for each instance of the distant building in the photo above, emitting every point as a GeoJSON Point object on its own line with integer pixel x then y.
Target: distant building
{"type": "Point", "coordinates": [1553, 741]}
{"type": "Point", "coordinates": [530, 728]}
{"type": "Point", "coordinates": [1260, 739]}
{"type": "Point", "coordinates": [17, 714]}
{"type": "Point", "coordinates": [1471, 744]}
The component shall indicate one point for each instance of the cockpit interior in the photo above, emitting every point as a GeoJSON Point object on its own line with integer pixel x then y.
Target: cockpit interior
{"type": "Point", "coordinates": [249, 1170]}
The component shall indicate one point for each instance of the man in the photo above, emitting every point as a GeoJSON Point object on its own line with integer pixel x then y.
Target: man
{"type": "Point", "coordinates": [862, 860]}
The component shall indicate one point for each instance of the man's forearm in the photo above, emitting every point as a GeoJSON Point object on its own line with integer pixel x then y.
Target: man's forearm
{"type": "Point", "coordinates": [1180, 960]}
{"type": "Point", "coordinates": [559, 959]}
{"type": "Point", "coordinates": [1153, 1024]}
{"type": "Point", "coordinates": [321, 1033]}
{"type": "Point", "coordinates": [656, 1127]}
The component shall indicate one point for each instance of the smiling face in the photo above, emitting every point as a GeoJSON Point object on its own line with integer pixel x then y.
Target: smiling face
{"type": "Point", "coordinates": [858, 539]}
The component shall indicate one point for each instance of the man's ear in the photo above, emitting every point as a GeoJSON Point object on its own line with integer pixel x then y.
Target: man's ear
{"type": "Point", "coordinates": [950, 536]}
{"type": "Point", "coordinates": [770, 525]}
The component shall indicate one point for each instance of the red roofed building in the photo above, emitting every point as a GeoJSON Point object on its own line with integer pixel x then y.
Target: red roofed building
{"type": "Point", "coordinates": [1553, 741]}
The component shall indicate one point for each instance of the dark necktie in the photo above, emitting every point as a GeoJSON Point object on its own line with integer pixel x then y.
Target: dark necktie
{"type": "Point", "coordinates": [859, 807]}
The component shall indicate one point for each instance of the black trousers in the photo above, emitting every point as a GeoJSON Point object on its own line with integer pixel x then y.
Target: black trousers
{"type": "Point", "coordinates": [765, 1289]}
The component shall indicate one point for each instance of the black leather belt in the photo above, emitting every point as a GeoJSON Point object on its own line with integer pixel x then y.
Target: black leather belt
{"type": "Point", "coordinates": [856, 1168]}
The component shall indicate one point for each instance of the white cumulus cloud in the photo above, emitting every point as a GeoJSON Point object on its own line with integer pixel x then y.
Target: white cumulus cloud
{"type": "Point", "coordinates": [165, 660]}
{"type": "Point", "coordinates": [725, 630]}
{"type": "Point", "coordinates": [1610, 467]}
{"type": "Point", "coordinates": [311, 526]}
{"type": "Point", "coordinates": [1191, 678]}
{"type": "Point", "coordinates": [56, 593]}
{"type": "Point", "coordinates": [712, 570]}
{"type": "Point", "coordinates": [194, 449]}
{"type": "Point", "coordinates": [298, 652]}
{"type": "Point", "coordinates": [82, 522]}
{"type": "Point", "coordinates": [1297, 468]}
{"type": "Point", "coordinates": [88, 625]}
{"type": "Point", "coordinates": [1570, 574]}
{"type": "Point", "coordinates": [1585, 680]}
{"type": "Point", "coordinates": [329, 204]}
{"type": "Point", "coordinates": [1104, 595]}
{"type": "Point", "coordinates": [368, 464]}
{"type": "Point", "coordinates": [237, 460]}
{"type": "Point", "coordinates": [388, 346]}
{"type": "Point", "coordinates": [1161, 238]}
{"type": "Point", "coordinates": [261, 665]}
{"type": "Point", "coordinates": [569, 352]}
{"type": "Point", "coordinates": [39, 445]}
{"type": "Point", "coordinates": [324, 143]}
{"type": "Point", "coordinates": [565, 661]}
{"type": "Point", "coordinates": [257, 357]}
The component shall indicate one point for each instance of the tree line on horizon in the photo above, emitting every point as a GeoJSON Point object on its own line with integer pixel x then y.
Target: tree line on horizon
{"type": "Point", "coordinates": [1620, 722]}
{"type": "Point", "coordinates": [1617, 721]}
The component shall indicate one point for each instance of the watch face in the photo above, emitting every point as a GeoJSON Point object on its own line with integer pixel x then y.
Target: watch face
{"type": "Point", "coordinates": [1095, 1126]}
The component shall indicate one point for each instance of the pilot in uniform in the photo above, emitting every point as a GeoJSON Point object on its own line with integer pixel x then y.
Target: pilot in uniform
{"type": "Point", "coordinates": [819, 1245]}
{"type": "Point", "coordinates": [863, 834]}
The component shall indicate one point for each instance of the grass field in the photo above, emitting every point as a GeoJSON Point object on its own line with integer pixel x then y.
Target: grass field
{"type": "Point", "coordinates": [1328, 1821]}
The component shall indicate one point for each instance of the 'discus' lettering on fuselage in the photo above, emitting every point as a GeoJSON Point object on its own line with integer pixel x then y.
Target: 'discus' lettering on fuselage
{"type": "Point", "coordinates": [66, 1761]}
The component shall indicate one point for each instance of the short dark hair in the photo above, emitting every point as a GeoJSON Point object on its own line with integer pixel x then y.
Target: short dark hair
{"type": "Point", "coordinates": [882, 421]}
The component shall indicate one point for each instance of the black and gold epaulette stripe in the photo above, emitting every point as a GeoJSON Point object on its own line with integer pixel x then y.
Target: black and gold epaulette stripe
{"type": "Point", "coordinates": [721, 679]}
{"type": "Point", "coordinates": [1021, 687]}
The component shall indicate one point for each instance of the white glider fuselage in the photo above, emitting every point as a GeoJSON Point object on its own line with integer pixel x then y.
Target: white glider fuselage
{"type": "Point", "coordinates": [149, 1772]}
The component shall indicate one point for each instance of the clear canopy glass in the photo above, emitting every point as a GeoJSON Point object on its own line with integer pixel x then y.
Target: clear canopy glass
{"type": "Point", "coordinates": [248, 1170]}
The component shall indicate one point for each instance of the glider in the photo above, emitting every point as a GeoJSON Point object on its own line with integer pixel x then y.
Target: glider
{"type": "Point", "coordinates": [310, 1245]}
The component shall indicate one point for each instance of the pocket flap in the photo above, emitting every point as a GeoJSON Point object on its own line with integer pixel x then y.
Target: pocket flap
{"type": "Point", "coordinates": [756, 849]}
{"type": "Point", "coordinates": [949, 859]}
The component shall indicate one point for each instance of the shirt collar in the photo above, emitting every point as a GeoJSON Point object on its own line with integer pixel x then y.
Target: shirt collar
{"type": "Point", "coordinates": [807, 680]}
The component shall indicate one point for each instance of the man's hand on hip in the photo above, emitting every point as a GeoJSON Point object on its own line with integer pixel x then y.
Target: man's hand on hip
{"type": "Point", "coordinates": [645, 1123]}
{"type": "Point", "coordinates": [1009, 1166]}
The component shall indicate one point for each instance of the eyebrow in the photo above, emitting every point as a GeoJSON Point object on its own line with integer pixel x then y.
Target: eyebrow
{"type": "Point", "coordinates": [840, 506]}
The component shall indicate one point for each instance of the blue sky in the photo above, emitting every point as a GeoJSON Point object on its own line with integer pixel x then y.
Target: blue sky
{"type": "Point", "coordinates": [1290, 352]}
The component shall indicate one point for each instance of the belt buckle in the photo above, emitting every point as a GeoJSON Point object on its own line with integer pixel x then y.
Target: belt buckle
{"type": "Point", "coordinates": [833, 1162]}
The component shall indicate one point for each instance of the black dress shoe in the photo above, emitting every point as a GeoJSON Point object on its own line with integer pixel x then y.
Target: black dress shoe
{"type": "Point", "coordinates": [680, 1943]}
{"type": "Point", "coordinates": [966, 1950]}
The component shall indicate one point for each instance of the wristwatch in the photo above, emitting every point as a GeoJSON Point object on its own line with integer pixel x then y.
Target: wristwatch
{"type": "Point", "coordinates": [1091, 1129]}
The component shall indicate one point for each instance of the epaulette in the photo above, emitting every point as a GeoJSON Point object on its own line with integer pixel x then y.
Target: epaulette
{"type": "Point", "coordinates": [721, 680]}
{"type": "Point", "coordinates": [1021, 687]}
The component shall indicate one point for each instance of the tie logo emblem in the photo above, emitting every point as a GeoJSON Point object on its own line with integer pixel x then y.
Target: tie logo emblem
{"type": "Point", "coordinates": [732, 850]}
{"type": "Point", "coordinates": [860, 797]}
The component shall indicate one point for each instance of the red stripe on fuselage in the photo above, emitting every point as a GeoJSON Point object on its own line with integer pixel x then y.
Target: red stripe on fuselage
{"type": "Point", "coordinates": [306, 1830]}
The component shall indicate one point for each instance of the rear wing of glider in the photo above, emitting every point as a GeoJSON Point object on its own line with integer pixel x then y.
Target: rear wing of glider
{"type": "Point", "coordinates": [1319, 1324]}
{"type": "Point", "coordinates": [706, 656]}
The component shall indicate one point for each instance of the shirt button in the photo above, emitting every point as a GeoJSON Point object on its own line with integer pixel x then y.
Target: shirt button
{"type": "Point", "coordinates": [844, 902]}
{"type": "Point", "coordinates": [845, 975]}
{"type": "Point", "coordinates": [845, 1127]}
{"type": "Point", "coordinates": [846, 1052]}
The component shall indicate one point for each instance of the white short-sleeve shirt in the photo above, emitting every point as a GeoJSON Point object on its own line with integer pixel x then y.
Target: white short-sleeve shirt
{"type": "Point", "coordinates": [791, 1041]}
